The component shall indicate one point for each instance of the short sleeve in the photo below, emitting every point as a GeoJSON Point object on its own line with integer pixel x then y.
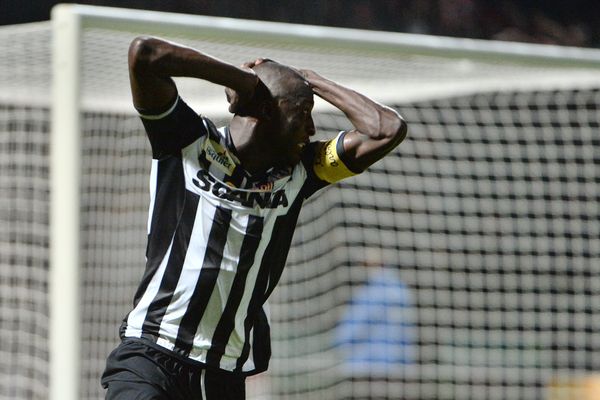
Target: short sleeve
{"type": "Point", "coordinates": [324, 163]}
{"type": "Point", "coordinates": [173, 129]}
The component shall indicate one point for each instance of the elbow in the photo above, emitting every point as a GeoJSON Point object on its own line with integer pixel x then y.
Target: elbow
{"type": "Point", "coordinates": [395, 129]}
{"type": "Point", "coordinates": [142, 53]}
{"type": "Point", "coordinates": [401, 131]}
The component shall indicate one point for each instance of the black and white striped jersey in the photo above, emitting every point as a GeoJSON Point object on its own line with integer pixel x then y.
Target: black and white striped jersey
{"type": "Point", "coordinates": [218, 239]}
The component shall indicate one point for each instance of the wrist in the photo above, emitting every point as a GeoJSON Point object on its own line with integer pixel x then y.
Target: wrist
{"type": "Point", "coordinates": [248, 82]}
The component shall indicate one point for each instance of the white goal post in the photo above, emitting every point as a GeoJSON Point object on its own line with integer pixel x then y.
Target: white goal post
{"type": "Point", "coordinates": [65, 224]}
{"type": "Point", "coordinates": [438, 80]}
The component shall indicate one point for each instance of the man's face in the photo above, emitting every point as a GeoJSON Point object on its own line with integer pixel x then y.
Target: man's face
{"type": "Point", "coordinates": [296, 125]}
{"type": "Point", "coordinates": [293, 102]}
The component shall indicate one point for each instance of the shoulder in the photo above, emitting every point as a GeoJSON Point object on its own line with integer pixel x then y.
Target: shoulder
{"type": "Point", "coordinates": [172, 129]}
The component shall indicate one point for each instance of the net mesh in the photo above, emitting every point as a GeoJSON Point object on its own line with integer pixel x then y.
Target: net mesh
{"type": "Point", "coordinates": [488, 211]}
{"type": "Point", "coordinates": [486, 216]}
{"type": "Point", "coordinates": [23, 252]}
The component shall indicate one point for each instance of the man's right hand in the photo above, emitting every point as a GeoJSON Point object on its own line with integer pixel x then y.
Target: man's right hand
{"type": "Point", "coordinates": [241, 102]}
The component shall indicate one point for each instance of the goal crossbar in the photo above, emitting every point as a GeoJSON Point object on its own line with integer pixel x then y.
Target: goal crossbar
{"type": "Point", "coordinates": [356, 39]}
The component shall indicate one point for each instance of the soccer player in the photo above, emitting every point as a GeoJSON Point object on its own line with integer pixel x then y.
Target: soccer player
{"type": "Point", "coordinates": [223, 208]}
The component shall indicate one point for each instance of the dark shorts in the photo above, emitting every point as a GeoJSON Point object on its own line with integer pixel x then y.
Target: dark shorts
{"type": "Point", "coordinates": [137, 371]}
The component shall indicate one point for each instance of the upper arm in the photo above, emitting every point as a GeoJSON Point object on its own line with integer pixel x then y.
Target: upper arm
{"type": "Point", "coordinates": [170, 123]}
{"type": "Point", "coordinates": [151, 92]}
{"type": "Point", "coordinates": [330, 163]}
{"type": "Point", "coordinates": [351, 152]}
{"type": "Point", "coordinates": [324, 163]}
{"type": "Point", "coordinates": [361, 150]}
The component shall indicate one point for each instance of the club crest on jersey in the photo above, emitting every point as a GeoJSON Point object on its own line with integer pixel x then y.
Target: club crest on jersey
{"type": "Point", "coordinates": [219, 157]}
{"type": "Point", "coordinates": [206, 182]}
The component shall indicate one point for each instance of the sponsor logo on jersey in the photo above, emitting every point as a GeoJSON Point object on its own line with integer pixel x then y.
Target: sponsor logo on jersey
{"type": "Point", "coordinates": [219, 157]}
{"type": "Point", "coordinates": [206, 182]}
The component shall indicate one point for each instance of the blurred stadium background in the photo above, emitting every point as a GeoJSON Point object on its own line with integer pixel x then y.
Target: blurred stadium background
{"type": "Point", "coordinates": [571, 23]}
{"type": "Point", "coordinates": [486, 217]}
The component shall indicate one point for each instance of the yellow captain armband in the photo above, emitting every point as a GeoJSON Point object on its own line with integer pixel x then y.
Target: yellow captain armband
{"type": "Point", "coordinates": [328, 165]}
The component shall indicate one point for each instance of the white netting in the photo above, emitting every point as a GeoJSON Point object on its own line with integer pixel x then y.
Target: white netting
{"type": "Point", "coordinates": [25, 73]}
{"type": "Point", "coordinates": [24, 192]}
{"type": "Point", "coordinates": [487, 213]}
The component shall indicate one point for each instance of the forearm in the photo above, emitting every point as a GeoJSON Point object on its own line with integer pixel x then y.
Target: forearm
{"type": "Point", "coordinates": [368, 117]}
{"type": "Point", "coordinates": [164, 60]}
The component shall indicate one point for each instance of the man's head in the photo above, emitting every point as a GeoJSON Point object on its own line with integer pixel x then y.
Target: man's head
{"type": "Point", "coordinates": [284, 109]}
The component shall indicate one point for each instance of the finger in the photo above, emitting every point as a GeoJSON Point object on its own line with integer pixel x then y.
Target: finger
{"type": "Point", "coordinates": [251, 64]}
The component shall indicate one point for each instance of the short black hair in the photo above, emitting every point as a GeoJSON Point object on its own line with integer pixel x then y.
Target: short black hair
{"type": "Point", "coordinates": [280, 79]}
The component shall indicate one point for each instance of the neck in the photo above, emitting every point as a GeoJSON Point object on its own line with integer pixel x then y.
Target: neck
{"type": "Point", "coordinates": [248, 135]}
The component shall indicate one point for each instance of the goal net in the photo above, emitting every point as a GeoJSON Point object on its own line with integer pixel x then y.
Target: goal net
{"type": "Point", "coordinates": [462, 266]}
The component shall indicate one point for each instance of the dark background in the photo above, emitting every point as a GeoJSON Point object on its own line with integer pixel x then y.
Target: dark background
{"type": "Point", "coordinates": [564, 22]}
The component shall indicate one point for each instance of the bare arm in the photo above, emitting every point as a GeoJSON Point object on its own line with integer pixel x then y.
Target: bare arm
{"type": "Point", "coordinates": [153, 62]}
{"type": "Point", "coordinates": [378, 128]}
